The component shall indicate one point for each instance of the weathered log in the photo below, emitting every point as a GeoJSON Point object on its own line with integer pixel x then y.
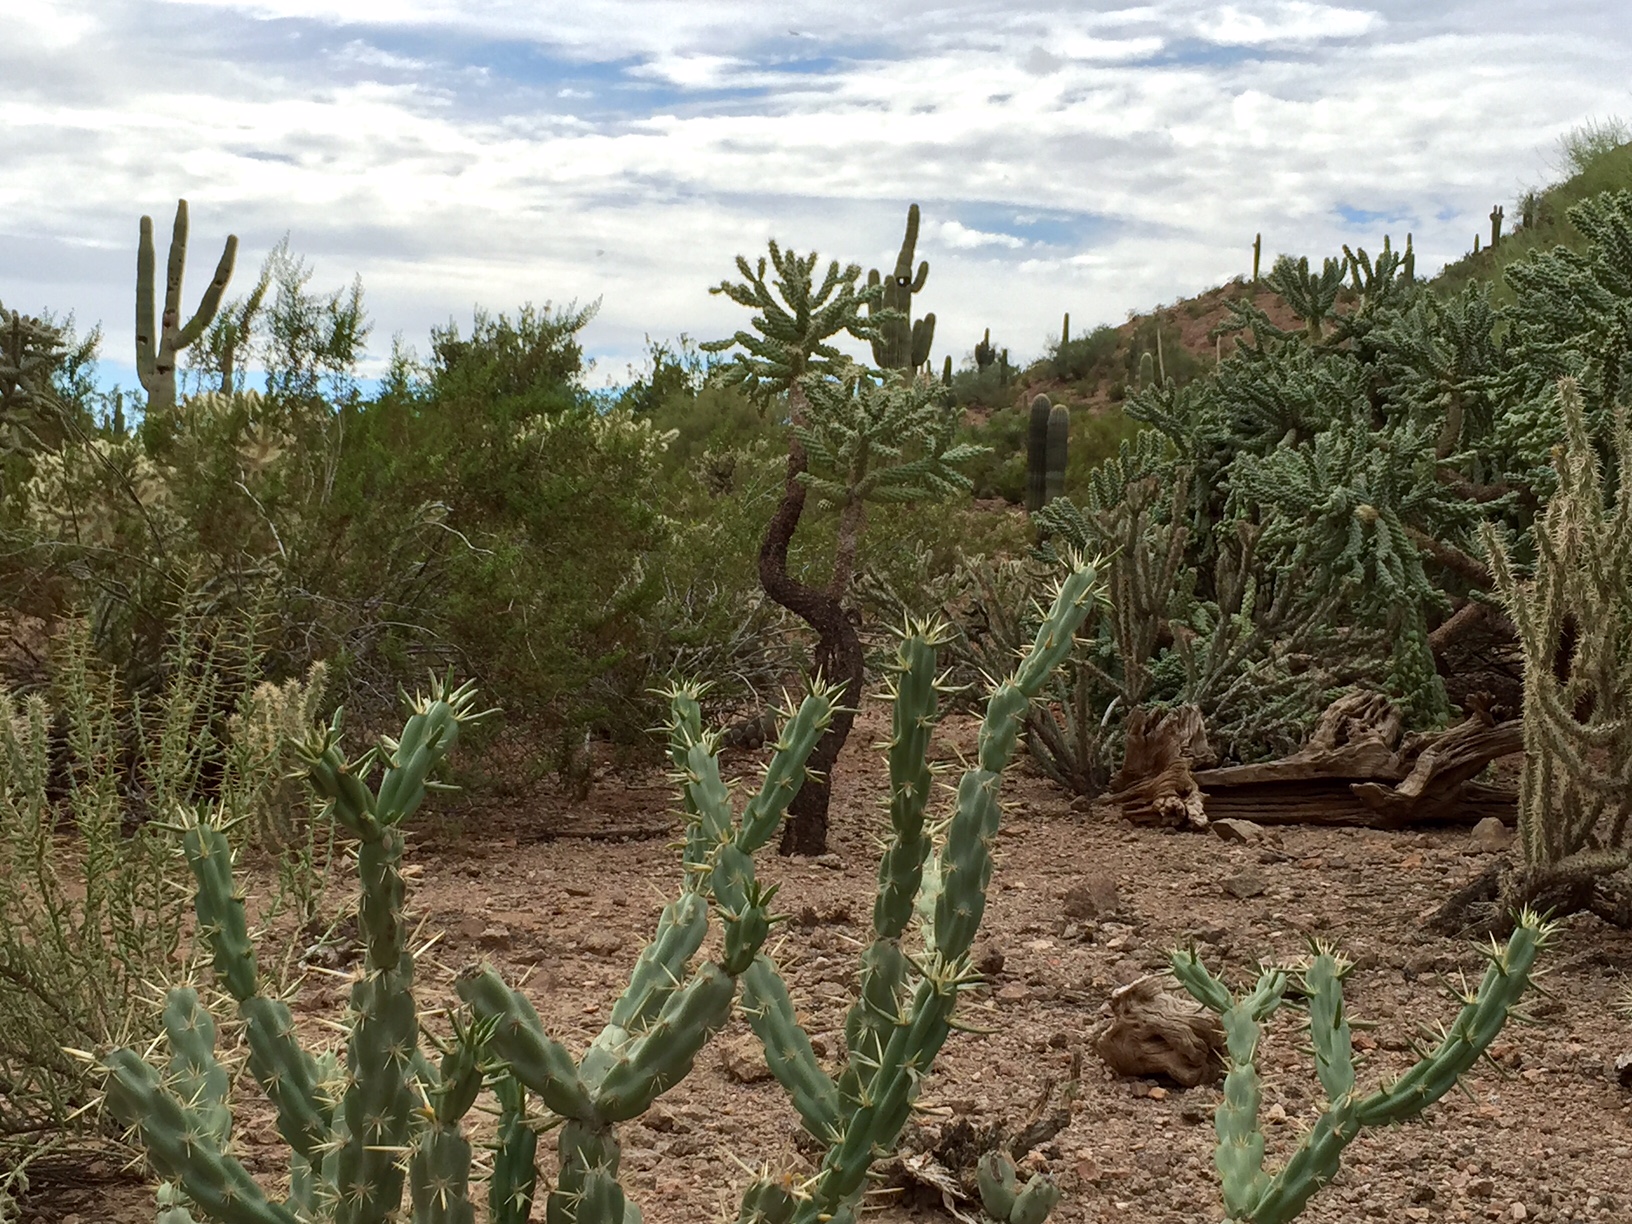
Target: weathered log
{"type": "Point", "coordinates": [1149, 1031]}
{"type": "Point", "coordinates": [1155, 785]}
{"type": "Point", "coordinates": [1357, 769]}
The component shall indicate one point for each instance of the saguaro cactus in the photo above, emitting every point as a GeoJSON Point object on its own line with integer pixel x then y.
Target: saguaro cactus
{"type": "Point", "coordinates": [1252, 1196]}
{"type": "Point", "coordinates": [158, 342]}
{"type": "Point", "coordinates": [985, 354]}
{"type": "Point", "coordinates": [1495, 226]}
{"type": "Point", "coordinates": [903, 343]}
{"type": "Point", "coordinates": [1047, 440]}
{"type": "Point", "coordinates": [1257, 254]}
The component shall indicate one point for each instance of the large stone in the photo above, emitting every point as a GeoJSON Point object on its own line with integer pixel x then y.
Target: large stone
{"type": "Point", "coordinates": [1246, 832]}
{"type": "Point", "coordinates": [1490, 836]}
{"type": "Point", "coordinates": [1244, 884]}
{"type": "Point", "coordinates": [743, 1060]}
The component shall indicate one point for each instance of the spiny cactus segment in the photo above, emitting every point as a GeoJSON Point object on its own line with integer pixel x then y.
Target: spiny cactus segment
{"type": "Point", "coordinates": [1254, 1196]}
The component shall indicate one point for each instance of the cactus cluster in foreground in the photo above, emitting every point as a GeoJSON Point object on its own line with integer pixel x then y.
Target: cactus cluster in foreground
{"type": "Point", "coordinates": [1252, 1195]}
{"type": "Point", "coordinates": [380, 1118]}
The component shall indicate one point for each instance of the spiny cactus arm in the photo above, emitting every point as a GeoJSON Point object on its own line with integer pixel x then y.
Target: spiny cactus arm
{"type": "Point", "coordinates": [147, 318]}
{"type": "Point", "coordinates": [427, 737]}
{"type": "Point", "coordinates": [913, 692]}
{"type": "Point", "coordinates": [1328, 1026]}
{"type": "Point", "coordinates": [196, 1076]}
{"type": "Point", "coordinates": [601, 1200]}
{"type": "Point", "coordinates": [515, 1173]}
{"type": "Point", "coordinates": [663, 1055]}
{"type": "Point", "coordinates": [538, 1061]}
{"type": "Point", "coordinates": [179, 1146]}
{"type": "Point", "coordinates": [1482, 1016]}
{"type": "Point", "coordinates": [767, 1200]}
{"type": "Point", "coordinates": [285, 1071]}
{"type": "Point", "coordinates": [769, 1012]}
{"type": "Point", "coordinates": [1239, 1156]}
{"type": "Point", "coordinates": [1077, 595]}
{"type": "Point", "coordinates": [439, 1166]}
{"type": "Point", "coordinates": [680, 932]}
{"type": "Point", "coordinates": [685, 728]}
{"type": "Point", "coordinates": [886, 1102]}
{"type": "Point", "coordinates": [376, 1114]}
{"type": "Point", "coordinates": [786, 772]}
{"type": "Point", "coordinates": [585, 1152]}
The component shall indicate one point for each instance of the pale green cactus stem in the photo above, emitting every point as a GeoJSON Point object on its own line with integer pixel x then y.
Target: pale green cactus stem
{"type": "Point", "coordinates": [160, 340]}
{"type": "Point", "coordinates": [1005, 1200]}
{"type": "Point", "coordinates": [515, 1173]}
{"type": "Point", "coordinates": [660, 1023]}
{"type": "Point", "coordinates": [904, 1011]}
{"type": "Point", "coordinates": [1253, 1196]}
{"type": "Point", "coordinates": [349, 1130]}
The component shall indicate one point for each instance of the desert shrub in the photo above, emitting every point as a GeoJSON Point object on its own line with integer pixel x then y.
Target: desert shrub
{"type": "Point", "coordinates": [91, 903]}
{"type": "Point", "coordinates": [1085, 359]}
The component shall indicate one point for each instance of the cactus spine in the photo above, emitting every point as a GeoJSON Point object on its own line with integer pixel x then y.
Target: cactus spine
{"type": "Point", "coordinates": [158, 342]}
{"type": "Point", "coordinates": [903, 343]}
{"type": "Point", "coordinates": [1253, 1196]}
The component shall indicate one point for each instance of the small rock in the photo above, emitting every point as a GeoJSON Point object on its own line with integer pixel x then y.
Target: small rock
{"type": "Point", "coordinates": [1275, 1113]}
{"type": "Point", "coordinates": [743, 1060]}
{"type": "Point", "coordinates": [1481, 1188]}
{"type": "Point", "coordinates": [1092, 897]}
{"type": "Point", "coordinates": [496, 936]}
{"type": "Point", "coordinates": [471, 926]}
{"type": "Point", "coordinates": [1247, 832]}
{"type": "Point", "coordinates": [831, 861]}
{"type": "Point", "coordinates": [1014, 992]}
{"type": "Point", "coordinates": [989, 957]}
{"type": "Point", "coordinates": [1623, 1071]}
{"type": "Point", "coordinates": [1244, 884]}
{"type": "Point", "coordinates": [1517, 1212]}
{"type": "Point", "coordinates": [1490, 836]}
{"type": "Point", "coordinates": [601, 943]}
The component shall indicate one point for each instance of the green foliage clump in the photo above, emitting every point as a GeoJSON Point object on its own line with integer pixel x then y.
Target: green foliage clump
{"type": "Point", "coordinates": [89, 922]}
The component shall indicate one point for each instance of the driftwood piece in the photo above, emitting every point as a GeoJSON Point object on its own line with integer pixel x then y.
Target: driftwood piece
{"type": "Point", "coordinates": [1155, 785]}
{"type": "Point", "coordinates": [1357, 769]}
{"type": "Point", "coordinates": [1148, 1031]}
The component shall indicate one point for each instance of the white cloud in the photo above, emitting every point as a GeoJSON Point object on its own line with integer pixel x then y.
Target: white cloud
{"type": "Point", "coordinates": [504, 145]}
{"type": "Point", "coordinates": [962, 238]}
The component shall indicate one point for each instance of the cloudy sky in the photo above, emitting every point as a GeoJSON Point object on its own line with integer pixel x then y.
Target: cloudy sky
{"type": "Point", "coordinates": [1077, 157]}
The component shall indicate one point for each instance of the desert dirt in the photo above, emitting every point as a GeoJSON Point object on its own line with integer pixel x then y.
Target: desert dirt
{"type": "Point", "coordinates": [564, 894]}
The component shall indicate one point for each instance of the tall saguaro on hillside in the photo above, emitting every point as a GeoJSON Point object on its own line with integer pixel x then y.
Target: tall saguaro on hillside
{"type": "Point", "coordinates": [160, 341]}
{"type": "Point", "coordinates": [902, 343]}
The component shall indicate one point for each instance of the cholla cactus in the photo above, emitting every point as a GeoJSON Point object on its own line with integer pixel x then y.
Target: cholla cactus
{"type": "Point", "coordinates": [1575, 814]}
{"type": "Point", "coordinates": [1253, 1196]}
{"type": "Point", "coordinates": [350, 1126]}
